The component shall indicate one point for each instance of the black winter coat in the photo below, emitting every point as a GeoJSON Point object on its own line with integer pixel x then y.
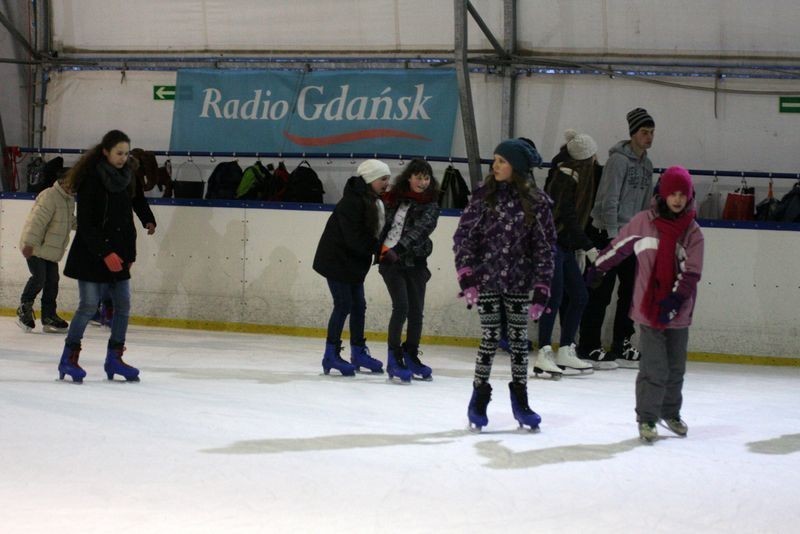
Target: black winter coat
{"type": "Point", "coordinates": [345, 250]}
{"type": "Point", "coordinates": [105, 225]}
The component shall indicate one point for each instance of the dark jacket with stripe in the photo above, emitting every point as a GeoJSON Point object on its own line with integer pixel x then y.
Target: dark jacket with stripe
{"type": "Point", "coordinates": [345, 250]}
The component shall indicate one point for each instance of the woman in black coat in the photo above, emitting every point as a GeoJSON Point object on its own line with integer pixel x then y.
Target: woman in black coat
{"type": "Point", "coordinates": [104, 248]}
{"type": "Point", "coordinates": [344, 256]}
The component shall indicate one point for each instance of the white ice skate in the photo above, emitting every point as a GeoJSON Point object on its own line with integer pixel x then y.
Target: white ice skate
{"type": "Point", "coordinates": [568, 361]}
{"type": "Point", "coordinates": [544, 365]}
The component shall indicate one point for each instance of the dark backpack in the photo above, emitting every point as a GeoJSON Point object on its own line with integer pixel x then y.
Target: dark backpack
{"type": "Point", "coordinates": [304, 185]}
{"type": "Point", "coordinates": [41, 175]}
{"type": "Point", "coordinates": [280, 180]}
{"type": "Point", "coordinates": [788, 208]}
{"type": "Point", "coordinates": [224, 181]}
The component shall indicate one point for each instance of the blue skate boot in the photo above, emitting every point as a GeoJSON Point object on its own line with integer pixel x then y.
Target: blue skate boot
{"type": "Point", "coordinates": [396, 367]}
{"type": "Point", "coordinates": [115, 366]}
{"type": "Point", "coordinates": [519, 406]}
{"type": "Point", "coordinates": [69, 364]}
{"type": "Point", "coordinates": [332, 360]}
{"type": "Point", "coordinates": [361, 357]}
{"type": "Point", "coordinates": [476, 412]}
{"type": "Point", "coordinates": [414, 364]}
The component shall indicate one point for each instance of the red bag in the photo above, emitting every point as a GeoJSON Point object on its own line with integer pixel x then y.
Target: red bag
{"type": "Point", "coordinates": [740, 205]}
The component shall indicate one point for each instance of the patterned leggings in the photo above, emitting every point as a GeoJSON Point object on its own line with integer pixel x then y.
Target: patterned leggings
{"type": "Point", "coordinates": [516, 307]}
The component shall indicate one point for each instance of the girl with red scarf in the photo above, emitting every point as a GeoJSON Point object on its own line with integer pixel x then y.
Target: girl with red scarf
{"type": "Point", "coordinates": [668, 245]}
{"type": "Point", "coordinates": [412, 211]}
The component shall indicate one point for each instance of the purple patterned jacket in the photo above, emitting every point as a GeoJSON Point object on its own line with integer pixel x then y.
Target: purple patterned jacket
{"type": "Point", "coordinates": [504, 253]}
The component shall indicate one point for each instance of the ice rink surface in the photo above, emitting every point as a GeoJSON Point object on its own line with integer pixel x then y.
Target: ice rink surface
{"type": "Point", "coordinates": [242, 433]}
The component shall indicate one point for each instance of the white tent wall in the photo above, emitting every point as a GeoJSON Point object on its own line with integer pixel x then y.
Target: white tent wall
{"type": "Point", "coordinates": [748, 133]}
{"type": "Point", "coordinates": [718, 27]}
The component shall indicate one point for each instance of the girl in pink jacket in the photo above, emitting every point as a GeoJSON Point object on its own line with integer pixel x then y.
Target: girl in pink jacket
{"type": "Point", "coordinates": [668, 245]}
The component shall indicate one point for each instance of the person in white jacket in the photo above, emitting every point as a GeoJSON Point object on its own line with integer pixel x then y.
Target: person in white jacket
{"type": "Point", "coordinates": [43, 243]}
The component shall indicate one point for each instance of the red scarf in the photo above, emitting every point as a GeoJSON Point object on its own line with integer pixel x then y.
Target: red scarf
{"type": "Point", "coordinates": [663, 276]}
{"type": "Point", "coordinates": [393, 197]}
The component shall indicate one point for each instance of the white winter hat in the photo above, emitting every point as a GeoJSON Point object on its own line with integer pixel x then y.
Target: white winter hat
{"type": "Point", "coordinates": [580, 146]}
{"type": "Point", "coordinates": [372, 169]}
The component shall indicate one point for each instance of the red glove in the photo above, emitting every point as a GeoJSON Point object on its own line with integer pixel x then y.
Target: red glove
{"type": "Point", "coordinates": [113, 262]}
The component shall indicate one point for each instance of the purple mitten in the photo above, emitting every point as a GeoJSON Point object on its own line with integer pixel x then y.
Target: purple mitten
{"type": "Point", "coordinates": [469, 286]}
{"type": "Point", "coordinates": [668, 307]}
{"type": "Point", "coordinates": [541, 295]}
{"type": "Point", "coordinates": [470, 296]}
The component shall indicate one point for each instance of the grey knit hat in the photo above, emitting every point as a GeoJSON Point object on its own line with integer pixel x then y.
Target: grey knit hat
{"type": "Point", "coordinates": [580, 146]}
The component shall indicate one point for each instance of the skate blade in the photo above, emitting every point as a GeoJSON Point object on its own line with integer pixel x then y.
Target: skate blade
{"type": "Point", "coordinates": [570, 371]}
{"type": "Point", "coordinates": [25, 328]}
{"type": "Point", "coordinates": [546, 375]}
{"type": "Point", "coordinates": [647, 441]}
{"type": "Point", "coordinates": [368, 372]}
{"type": "Point", "coordinates": [523, 429]}
{"type": "Point", "coordinates": [397, 380]}
{"type": "Point", "coordinates": [53, 330]}
{"type": "Point", "coordinates": [421, 378]}
{"type": "Point", "coordinates": [662, 424]}
{"type": "Point", "coordinates": [474, 428]}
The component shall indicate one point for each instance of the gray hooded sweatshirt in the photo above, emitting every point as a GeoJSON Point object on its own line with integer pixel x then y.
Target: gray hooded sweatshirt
{"type": "Point", "coordinates": [625, 188]}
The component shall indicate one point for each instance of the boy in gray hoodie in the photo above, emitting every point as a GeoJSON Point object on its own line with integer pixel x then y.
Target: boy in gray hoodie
{"type": "Point", "coordinates": [625, 189]}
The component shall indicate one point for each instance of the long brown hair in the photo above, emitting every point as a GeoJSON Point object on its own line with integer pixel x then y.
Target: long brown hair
{"type": "Point", "coordinates": [523, 186]}
{"type": "Point", "coordinates": [92, 157]}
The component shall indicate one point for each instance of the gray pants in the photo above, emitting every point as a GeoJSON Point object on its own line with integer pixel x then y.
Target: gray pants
{"type": "Point", "coordinates": [661, 369]}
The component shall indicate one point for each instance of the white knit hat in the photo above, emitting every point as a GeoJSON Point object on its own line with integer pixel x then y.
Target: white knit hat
{"type": "Point", "coordinates": [580, 146]}
{"type": "Point", "coordinates": [372, 169]}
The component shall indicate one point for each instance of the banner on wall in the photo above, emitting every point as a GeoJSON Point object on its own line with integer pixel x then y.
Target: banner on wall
{"type": "Point", "coordinates": [386, 111]}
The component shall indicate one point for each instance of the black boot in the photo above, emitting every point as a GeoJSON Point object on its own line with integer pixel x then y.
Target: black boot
{"type": "Point", "coordinates": [519, 406]}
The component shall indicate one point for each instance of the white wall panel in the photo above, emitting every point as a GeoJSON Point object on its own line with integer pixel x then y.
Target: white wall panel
{"type": "Point", "coordinates": [255, 266]}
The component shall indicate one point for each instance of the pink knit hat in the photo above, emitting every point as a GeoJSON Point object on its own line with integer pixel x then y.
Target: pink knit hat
{"type": "Point", "coordinates": [674, 179]}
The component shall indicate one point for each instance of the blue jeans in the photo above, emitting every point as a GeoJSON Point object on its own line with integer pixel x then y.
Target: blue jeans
{"type": "Point", "coordinates": [44, 278]}
{"type": "Point", "coordinates": [348, 299]}
{"type": "Point", "coordinates": [90, 294]}
{"type": "Point", "coordinates": [567, 279]}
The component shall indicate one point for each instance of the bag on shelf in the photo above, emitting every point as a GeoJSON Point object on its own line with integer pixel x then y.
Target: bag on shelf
{"type": "Point", "coordinates": [711, 205]}
{"type": "Point", "coordinates": [788, 208]}
{"type": "Point", "coordinates": [765, 211]}
{"type": "Point", "coordinates": [740, 205]}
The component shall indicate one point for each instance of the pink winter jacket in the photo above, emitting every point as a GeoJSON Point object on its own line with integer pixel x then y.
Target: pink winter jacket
{"type": "Point", "coordinates": [640, 236]}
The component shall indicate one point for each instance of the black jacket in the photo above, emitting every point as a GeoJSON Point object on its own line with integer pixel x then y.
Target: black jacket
{"type": "Point", "coordinates": [415, 243]}
{"type": "Point", "coordinates": [105, 225]}
{"type": "Point", "coordinates": [344, 253]}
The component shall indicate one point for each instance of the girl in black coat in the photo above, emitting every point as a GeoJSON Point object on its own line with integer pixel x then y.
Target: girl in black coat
{"type": "Point", "coordinates": [104, 248]}
{"type": "Point", "coordinates": [344, 256]}
{"type": "Point", "coordinates": [412, 212]}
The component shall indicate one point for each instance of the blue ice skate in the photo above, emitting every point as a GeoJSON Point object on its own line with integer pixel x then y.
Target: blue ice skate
{"type": "Point", "coordinates": [69, 364]}
{"type": "Point", "coordinates": [414, 364]}
{"type": "Point", "coordinates": [519, 406]}
{"type": "Point", "coordinates": [332, 360]}
{"type": "Point", "coordinates": [361, 357]}
{"type": "Point", "coordinates": [476, 412]}
{"type": "Point", "coordinates": [115, 366]}
{"type": "Point", "coordinates": [396, 367]}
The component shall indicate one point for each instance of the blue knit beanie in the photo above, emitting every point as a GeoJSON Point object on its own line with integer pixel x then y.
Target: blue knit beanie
{"type": "Point", "coordinates": [521, 155]}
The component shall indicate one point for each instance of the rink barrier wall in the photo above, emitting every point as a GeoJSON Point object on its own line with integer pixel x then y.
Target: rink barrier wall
{"type": "Point", "coordinates": [248, 268]}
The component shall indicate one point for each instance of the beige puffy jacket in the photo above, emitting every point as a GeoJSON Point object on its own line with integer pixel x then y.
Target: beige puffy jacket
{"type": "Point", "coordinates": [49, 223]}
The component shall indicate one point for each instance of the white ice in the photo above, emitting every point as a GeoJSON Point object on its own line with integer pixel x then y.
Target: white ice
{"type": "Point", "coordinates": [242, 433]}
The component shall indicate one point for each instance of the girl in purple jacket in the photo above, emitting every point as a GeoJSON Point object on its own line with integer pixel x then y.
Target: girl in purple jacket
{"type": "Point", "coordinates": [504, 247]}
{"type": "Point", "coordinates": [668, 245]}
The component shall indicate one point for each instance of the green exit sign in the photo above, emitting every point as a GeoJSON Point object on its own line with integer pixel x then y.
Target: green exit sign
{"type": "Point", "coordinates": [789, 104]}
{"type": "Point", "coordinates": [163, 92]}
